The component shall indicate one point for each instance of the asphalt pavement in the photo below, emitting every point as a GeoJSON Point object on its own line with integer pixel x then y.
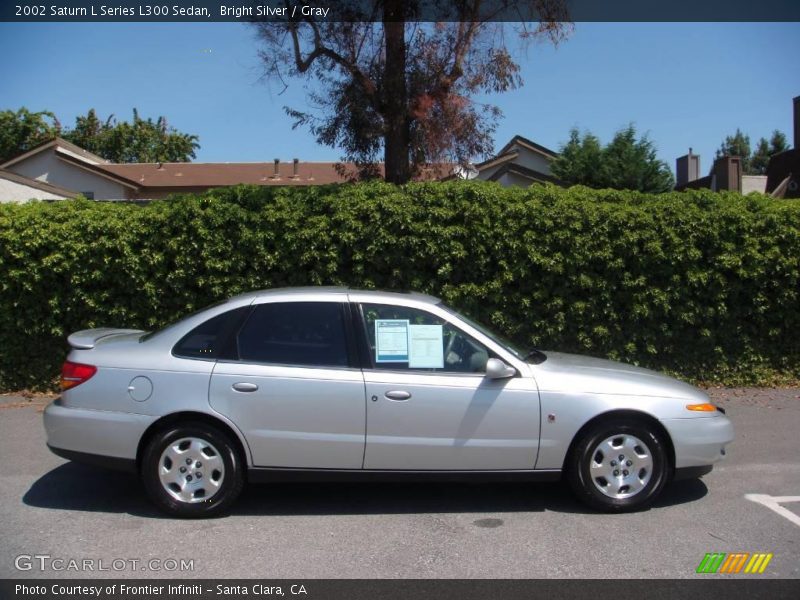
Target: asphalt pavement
{"type": "Point", "coordinates": [60, 519]}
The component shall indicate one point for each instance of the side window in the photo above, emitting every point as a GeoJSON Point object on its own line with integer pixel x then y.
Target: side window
{"type": "Point", "coordinates": [408, 338]}
{"type": "Point", "coordinates": [295, 333]}
{"type": "Point", "coordinates": [207, 339]}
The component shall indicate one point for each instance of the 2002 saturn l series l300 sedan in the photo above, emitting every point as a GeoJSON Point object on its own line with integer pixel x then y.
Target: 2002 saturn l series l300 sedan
{"type": "Point", "coordinates": [322, 382]}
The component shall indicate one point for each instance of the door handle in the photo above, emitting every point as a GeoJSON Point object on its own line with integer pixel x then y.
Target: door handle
{"type": "Point", "coordinates": [245, 387]}
{"type": "Point", "coordinates": [398, 395]}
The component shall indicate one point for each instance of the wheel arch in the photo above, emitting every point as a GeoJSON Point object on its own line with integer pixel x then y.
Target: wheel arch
{"type": "Point", "coordinates": [611, 415]}
{"type": "Point", "coordinates": [186, 416]}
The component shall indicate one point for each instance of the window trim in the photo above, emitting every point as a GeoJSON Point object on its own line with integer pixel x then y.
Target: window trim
{"type": "Point", "coordinates": [359, 326]}
{"type": "Point", "coordinates": [354, 357]}
{"type": "Point", "coordinates": [230, 351]}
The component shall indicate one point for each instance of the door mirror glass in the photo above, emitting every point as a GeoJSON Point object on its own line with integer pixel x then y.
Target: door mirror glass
{"type": "Point", "coordinates": [497, 369]}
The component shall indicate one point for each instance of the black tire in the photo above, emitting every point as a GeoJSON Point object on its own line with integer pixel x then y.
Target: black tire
{"type": "Point", "coordinates": [587, 485]}
{"type": "Point", "coordinates": [209, 499]}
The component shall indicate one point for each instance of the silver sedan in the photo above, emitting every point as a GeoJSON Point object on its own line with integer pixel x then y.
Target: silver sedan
{"type": "Point", "coordinates": [332, 382]}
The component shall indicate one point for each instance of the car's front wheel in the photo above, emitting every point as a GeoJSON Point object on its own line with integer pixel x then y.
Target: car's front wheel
{"type": "Point", "coordinates": [192, 470]}
{"type": "Point", "coordinates": [619, 465]}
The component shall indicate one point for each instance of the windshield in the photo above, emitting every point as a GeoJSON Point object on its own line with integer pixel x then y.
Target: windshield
{"type": "Point", "coordinates": [502, 340]}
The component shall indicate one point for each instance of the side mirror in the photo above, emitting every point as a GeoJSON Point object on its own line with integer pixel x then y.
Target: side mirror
{"type": "Point", "coordinates": [497, 369]}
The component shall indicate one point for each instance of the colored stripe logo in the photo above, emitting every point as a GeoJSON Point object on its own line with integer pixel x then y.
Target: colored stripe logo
{"type": "Point", "coordinates": [735, 562]}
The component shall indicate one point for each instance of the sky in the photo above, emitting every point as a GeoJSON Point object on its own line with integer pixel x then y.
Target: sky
{"type": "Point", "coordinates": [685, 84]}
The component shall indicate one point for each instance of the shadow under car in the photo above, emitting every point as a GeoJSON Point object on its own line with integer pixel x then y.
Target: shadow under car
{"type": "Point", "coordinates": [77, 487]}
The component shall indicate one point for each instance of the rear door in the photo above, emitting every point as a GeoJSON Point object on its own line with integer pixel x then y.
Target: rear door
{"type": "Point", "coordinates": [293, 386]}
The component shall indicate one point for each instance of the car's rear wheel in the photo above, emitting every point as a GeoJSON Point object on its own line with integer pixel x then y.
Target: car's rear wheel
{"type": "Point", "coordinates": [619, 465]}
{"type": "Point", "coordinates": [192, 470]}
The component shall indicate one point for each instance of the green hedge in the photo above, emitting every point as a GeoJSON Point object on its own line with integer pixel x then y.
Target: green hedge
{"type": "Point", "coordinates": [700, 284]}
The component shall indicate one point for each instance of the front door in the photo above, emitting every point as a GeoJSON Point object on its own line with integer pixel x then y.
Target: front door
{"type": "Point", "coordinates": [429, 405]}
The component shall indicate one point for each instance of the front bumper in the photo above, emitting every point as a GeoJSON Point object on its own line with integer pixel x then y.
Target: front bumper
{"type": "Point", "coordinates": [699, 441]}
{"type": "Point", "coordinates": [72, 432]}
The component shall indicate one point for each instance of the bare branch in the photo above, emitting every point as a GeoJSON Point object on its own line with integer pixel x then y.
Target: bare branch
{"type": "Point", "coordinates": [420, 109]}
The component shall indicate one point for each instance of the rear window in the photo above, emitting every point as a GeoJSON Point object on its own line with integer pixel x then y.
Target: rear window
{"type": "Point", "coordinates": [208, 339]}
{"type": "Point", "coordinates": [156, 332]}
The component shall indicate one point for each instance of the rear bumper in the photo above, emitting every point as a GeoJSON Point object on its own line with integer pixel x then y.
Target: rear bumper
{"type": "Point", "coordinates": [699, 441]}
{"type": "Point", "coordinates": [75, 432]}
{"type": "Point", "coordinates": [96, 460]}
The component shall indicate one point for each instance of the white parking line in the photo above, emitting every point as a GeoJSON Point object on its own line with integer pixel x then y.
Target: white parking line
{"type": "Point", "coordinates": [774, 503]}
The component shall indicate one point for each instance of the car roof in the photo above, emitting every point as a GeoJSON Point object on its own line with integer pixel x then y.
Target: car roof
{"type": "Point", "coordinates": [328, 290]}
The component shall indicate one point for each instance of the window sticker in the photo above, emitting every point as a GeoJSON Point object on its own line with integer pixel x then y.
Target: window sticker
{"type": "Point", "coordinates": [391, 340]}
{"type": "Point", "coordinates": [426, 347]}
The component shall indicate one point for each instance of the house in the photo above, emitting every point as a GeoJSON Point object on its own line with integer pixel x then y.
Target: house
{"type": "Point", "coordinates": [725, 174]}
{"type": "Point", "coordinates": [782, 179]}
{"type": "Point", "coordinates": [16, 188]}
{"type": "Point", "coordinates": [521, 162]}
{"type": "Point", "coordinates": [68, 170]}
{"type": "Point", "coordinates": [783, 170]}
{"type": "Point", "coordinates": [63, 166]}
{"type": "Point", "coordinates": [67, 166]}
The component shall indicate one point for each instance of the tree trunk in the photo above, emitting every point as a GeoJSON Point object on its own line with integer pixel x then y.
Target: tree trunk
{"type": "Point", "coordinates": [395, 116]}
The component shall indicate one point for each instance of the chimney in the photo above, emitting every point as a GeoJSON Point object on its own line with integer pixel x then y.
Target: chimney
{"type": "Point", "coordinates": [687, 169]}
{"type": "Point", "coordinates": [797, 122]}
{"type": "Point", "coordinates": [728, 173]}
{"type": "Point", "coordinates": [277, 170]}
{"type": "Point", "coordinates": [295, 162]}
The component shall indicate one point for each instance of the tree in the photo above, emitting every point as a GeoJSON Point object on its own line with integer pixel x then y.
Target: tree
{"type": "Point", "coordinates": [22, 130]}
{"type": "Point", "coordinates": [632, 164]}
{"type": "Point", "coordinates": [766, 150]}
{"type": "Point", "coordinates": [778, 142]}
{"type": "Point", "coordinates": [88, 131]}
{"type": "Point", "coordinates": [625, 163]}
{"type": "Point", "coordinates": [139, 141]}
{"type": "Point", "coordinates": [754, 163]}
{"type": "Point", "coordinates": [385, 83]}
{"type": "Point", "coordinates": [580, 160]}
{"type": "Point", "coordinates": [737, 144]}
{"type": "Point", "coordinates": [760, 157]}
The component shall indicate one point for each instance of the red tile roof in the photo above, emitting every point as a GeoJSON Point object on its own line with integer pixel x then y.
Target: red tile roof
{"type": "Point", "coordinates": [225, 174]}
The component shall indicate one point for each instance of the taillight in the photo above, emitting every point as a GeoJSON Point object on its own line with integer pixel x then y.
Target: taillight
{"type": "Point", "coordinates": [73, 374]}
